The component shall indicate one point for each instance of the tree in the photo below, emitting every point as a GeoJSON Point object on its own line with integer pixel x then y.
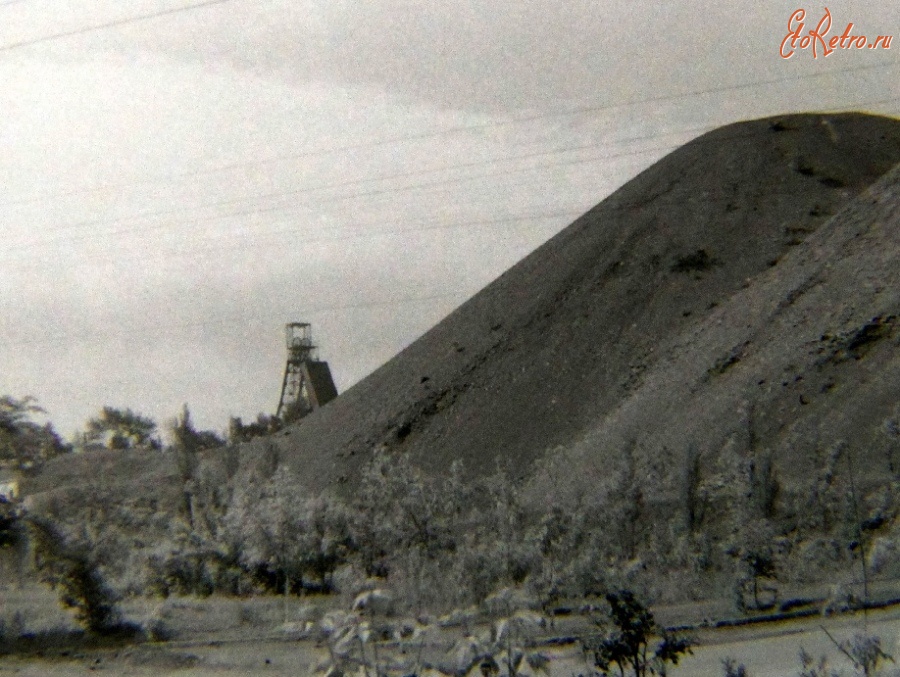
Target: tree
{"type": "Point", "coordinates": [72, 569]}
{"type": "Point", "coordinates": [628, 646]}
{"type": "Point", "coordinates": [265, 525]}
{"type": "Point", "coordinates": [187, 443]}
{"type": "Point", "coordinates": [13, 412]}
{"type": "Point", "coordinates": [325, 541]}
{"type": "Point", "coordinates": [506, 519]}
{"type": "Point", "coordinates": [397, 510]}
{"type": "Point", "coordinates": [238, 431]}
{"type": "Point", "coordinates": [23, 442]}
{"type": "Point", "coordinates": [755, 564]}
{"type": "Point", "coordinates": [186, 437]}
{"type": "Point", "coordinates": [121, 429]}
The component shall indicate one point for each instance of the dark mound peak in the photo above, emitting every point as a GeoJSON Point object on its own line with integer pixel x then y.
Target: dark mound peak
{"type": "Point", "coordinates": [559, 343]}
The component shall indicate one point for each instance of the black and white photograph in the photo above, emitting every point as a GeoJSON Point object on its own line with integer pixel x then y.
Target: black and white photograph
{"type": "Point", "coordinates": [457, 339]}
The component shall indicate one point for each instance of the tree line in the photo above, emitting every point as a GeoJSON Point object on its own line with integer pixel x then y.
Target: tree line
{"type": "Point", "coordinates": [26, 444]}
{"type": "Point", "coordinates": [235, 519]}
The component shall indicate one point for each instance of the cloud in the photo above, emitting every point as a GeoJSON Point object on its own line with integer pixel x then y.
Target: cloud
{"type": "Point", "coordinates": [501, 55]}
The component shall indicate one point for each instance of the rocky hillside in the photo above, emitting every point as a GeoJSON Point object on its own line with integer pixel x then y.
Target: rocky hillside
{"type": "Point", "coordinates": [742, 292]}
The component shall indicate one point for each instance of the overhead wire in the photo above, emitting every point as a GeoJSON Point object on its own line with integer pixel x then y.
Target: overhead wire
{"type": "Point", "coordinates": [231, 319]}
{"type": "Point", "coordinates": [194, 248]}
{"type": "Point", "coordinates": [579, 110]}
{"type": "Point", "coordinates": [110, 24]}
{"type": "Point", "coordinates": [401, 231]}
{"type": "Point", "coordinates": [466, 128]}
{"type": "Point", "coordinates": [194, 252]}
{"type": "Point", "coordinates": [293, 208]}
{"type": "Point", "coordinates": [250, 208]}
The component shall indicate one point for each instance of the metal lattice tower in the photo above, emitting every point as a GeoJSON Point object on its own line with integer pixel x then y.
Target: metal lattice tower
{"type": "Point", "coordinates": [307, 383]}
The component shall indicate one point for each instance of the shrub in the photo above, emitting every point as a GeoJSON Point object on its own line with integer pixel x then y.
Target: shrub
{"type": "Point", "coordinates": [10, 528]}
{"type": "Point", "coordinates": [810, 668]}
{"type": "Point", "coordinates": [628, 646]}
{"type": "Point", "coordinates": [72, 570]}
{"type": "Point", "coordinates": [865, 652]}
{"type": "Point", "coordinates": [731, 668]}
{"type": "Point", "coordinates": [156, 630]}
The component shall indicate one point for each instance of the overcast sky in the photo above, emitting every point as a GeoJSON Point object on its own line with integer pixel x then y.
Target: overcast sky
{"type": "Point", "coordinates": [176, 188]}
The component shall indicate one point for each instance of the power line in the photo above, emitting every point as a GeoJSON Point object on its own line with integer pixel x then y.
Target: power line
{"type": "Point", "coordinates": [196, 253]}
{"type": "Point", "coordinates": [111, 24]}
{"type": "Point", "coordinates": [461, 128]}
{"type": "Point", "coordinates": [230, 319]}
{"type": "Point", "coordinates": [249, 241]}
{"type": "Point", "coordinates": [249, 201]}
{"type": "Point", "coordinates": [554, 114]}
{"type": "Point", "coordinates": [316, 310]}
{"type": "Point", "coordinates": [286, 209]}
{"type": "Point", "coordinates": [614, 143]}
{"type": "Point", "coordinates": [235, 318]}
{"type": "Point", "coordinates": [252, 209]}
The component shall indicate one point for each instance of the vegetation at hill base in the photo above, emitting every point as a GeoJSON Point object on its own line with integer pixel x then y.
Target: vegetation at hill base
{"type": "Point", "coordinates": [236, 520]}
{"type": "Point", "coordinates": [72, 568]}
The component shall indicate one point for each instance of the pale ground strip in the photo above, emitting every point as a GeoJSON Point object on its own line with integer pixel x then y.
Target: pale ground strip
{"type": "Point", "coordinates": [767, 651]}
{"type": "Point", "coordinates": [229, 636]}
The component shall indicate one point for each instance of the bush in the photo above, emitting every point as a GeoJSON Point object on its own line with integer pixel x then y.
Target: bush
{"type": "Point", "coordinates": [11, 628]}
{"type": "Point", "coordinates": [156, 630]}
{"type": "Point", "coordinates": [10, 527]}
{"type": "Point", "coordinates": [865, 652]}
{"type": "Point", "coordinates": [72, 570]}
{"type": "Point", "coordinates": [628, 646]}
{"type": "Point", "coordinates": [811, 668]}
{"type": "Point", "coordinates": [731, 668]}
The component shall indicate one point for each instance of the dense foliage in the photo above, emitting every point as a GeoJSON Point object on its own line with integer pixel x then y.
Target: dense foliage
{"type": "Point", "coordinates": [121, 429]}
{"type": "Point", "coordinates": [25, 444]}
{"type": "Point", "coordinates": [72, 568]}
{"type": "Point", "coordinates": [237, 520]}
{"type": "Point", "coordinates": [203, 516]}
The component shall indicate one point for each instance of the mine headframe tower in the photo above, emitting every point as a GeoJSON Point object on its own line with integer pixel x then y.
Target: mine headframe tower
{"type": "Point", "coordinates": [307, 383]}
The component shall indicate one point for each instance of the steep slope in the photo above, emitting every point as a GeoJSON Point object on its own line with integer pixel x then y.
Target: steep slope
{"type": "Point", "coordinates": [798, 372]}
{"type": "Point", "coordinates": [564, 342]}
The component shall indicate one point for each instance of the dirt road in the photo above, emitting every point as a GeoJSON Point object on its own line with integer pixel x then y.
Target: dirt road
{"type": "Point", "coordinates": [768, 650]}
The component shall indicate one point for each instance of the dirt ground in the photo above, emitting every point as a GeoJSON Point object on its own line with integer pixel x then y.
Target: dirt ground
{"type": "Point", "coordinates": [770, 650]}
{"type": "Point", "coordinates": [219, 636]}
{"type": "Point", "coordinates": [767, 651]}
